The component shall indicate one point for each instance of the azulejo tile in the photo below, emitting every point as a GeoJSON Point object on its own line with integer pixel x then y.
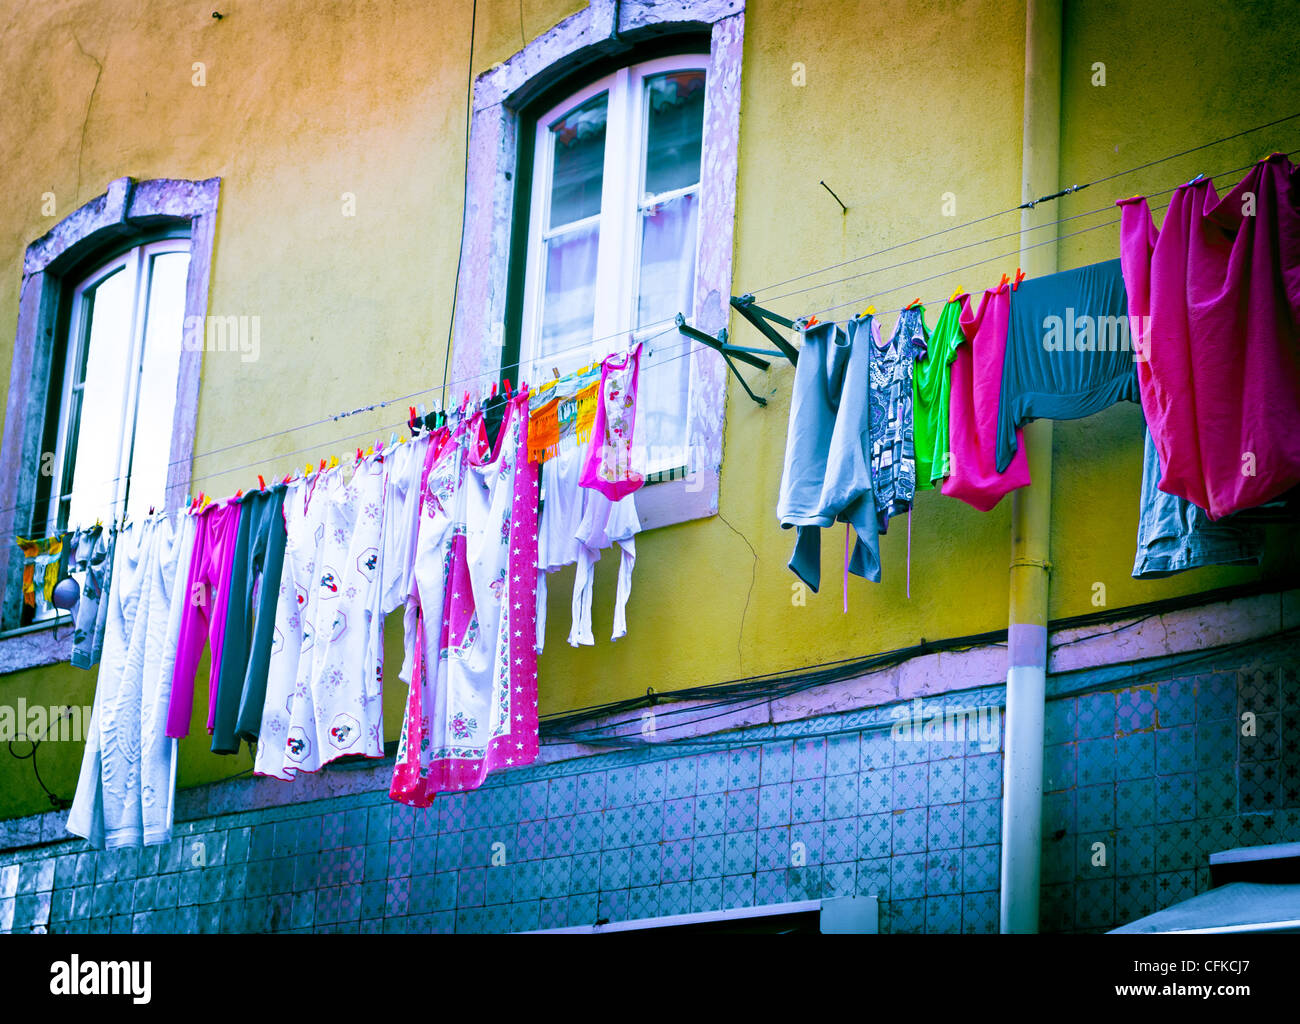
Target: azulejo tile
{"type": "Point", "coordinates": [1096, 762]}
{"type": "Point", "coordinates": [712, 772]}
{"type": "Point", "coordinates": [946, 781]}
{"type": "Point", "coordinates": [839, 840]}
{"type": "Point", "coordinates": [1176, 750]}
{"type": "Point", "coordinates": [875, 836]}
{"type": "Point", "coordinates": [773, 848]}
{"type": "Point", "coordinates": [843, 754]}
{"type": "Point", "coordinates": [909, 830]}
{"type": "Point", "coordinates": [643, 902]}
{"type": "Point", "coordinates": [770, 887]}
{"type": "Point", "coordinates": [526, 917]}
{"type": "Point", "coordinates": [981, 867]}
{"type": "Point", "coordinates": [738, 891]}
{"type": "Point", "coordinates": [1135, 803]}
{"type": "Point", "coordinates": [589, 792]}
{"type": "Point", "coordinates": [839, 879]}
{"type": "Point", "coordinates": [1094, 856]}
{"type": "Point", "coordinates": [810, 758]}
{"type": "Point", "coordinates": [774, 805]}
{"type": "Point", "coordinates": [1059, 766]}
{"type": "Point", "coordinates": [943, 915]}
{"type": "Point", "coordinates": [873, 878]}
{"type": "Point", "coordinates": [1136, 709]}
{"type": "Point", "coordinates": [584, 875]}
{"type": "Point", "coordinates": [1260, 786]}
{"type": "Point", "coordinates": [1216, 696]}
{"type": "Point", "coordinates": [679, 818]}
{"type": "Point", "coordinates": [808, 800]}
{"type": "Point", "coordinates": [618, 828]}
{"type": "Point", "coordinates": [740, 853]}
{"type": "Point", "coordinates": [613, 906]}
{"type": "Point", "coordinates": [562, 800]}
{"type": "Point", "coordinates": [1216, 744]}
{"type": "Point", "coordinates": [651, 782]}
{"type": "Point", "coordinates": [907, 876]}
{"type": "Point", "coordinates": [646, 865]}
{"type": "Point", "coordinates": [983, 822]}
{"type": "Point", "coordinates": [1173, 887]}
{"type": "Point", "coordinates": [1056, 908]}
{"type": "Point", "coordinates": [1176, 702]}
{"type": "Point", "coordinates": [1057, 862]}
{"type": "Point", "coordinates": [983, 779]}
{"type": "Point", "coordinates": [677, 859]}
{"type": "Point", "coordinates": [706, 894]}
{"type": "Point", "coordinates": [944, 827]}
{"type": "Point", "coordinates": [584, 909]}
{"type": "Point", "coordinates": [804, 883]}
{"type": "Point", "coordinates": [647, 823]}
{"type": "Point", "coordinates": [1095, 808]}
{"type": "Point", "coordinates": [620, 786]}
{"type": "Point", "coordinates": [875, 790]}
{"type": "Point", "coordinates": [1094, 904]}
{"type": "Point", "coordinates": [777, 762]}
{"type": "Point", "coordinates": [674, 899]}
{"type": "Point", "coordinates": [1135, 756]}
{"type": "Point", "coordinates": [979, 913]}
{"type": "Point", "coordinates": [1176, 797]}
{"type": "Point", "coordinates": [710, 814]}
{"type": "Point", "coordinates": [743, 768]}
{"type": "Point", "coordinates": [1258, 738]}
{"type": "Point", "coordinates": [911, 785]}
{"type": "Point", "coordinates": [842, 794]}
{"type": "Point", "coordinates": [679, 779]}
{"type": "Point", "coordinates": [708, 854]}
{"type": "Point", "coordinates": [876, 750]}
{"type": "Point", "coordinates": [1258, 691]}
{"type": "Point", "coordinates": [1059, 721]}
{"type": "Point", "coordinates": [943, 872]}
{"type": "Point", "coordinates": [1096, 716]}
{"type": "Point", "coordinates": [742, 810]}
{"type": "Point", "coordinates": [615, 869]}
{"type": "Point", "coordinates": [906, 917]}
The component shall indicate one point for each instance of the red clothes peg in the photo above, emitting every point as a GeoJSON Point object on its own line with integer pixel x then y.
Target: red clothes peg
{"type": "Point", "coordinates": [261, 483]}
{"type": "Point", "coordinates": [494, 389]}
{"type": "Point", "coordinates": [507, 387]}
{"type": "Point", "coordinates": [810, 321]}
{"type": "Point", "coordinates": [322, 465]}
{"type": "Point", "coordinates": [914, 303]}
{"type": "Point", "coordinates": [1020, 276]}
{"type": "Point", "coordinates": [1002, 283]}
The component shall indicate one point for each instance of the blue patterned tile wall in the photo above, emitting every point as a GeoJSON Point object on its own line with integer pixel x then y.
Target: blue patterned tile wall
{"type": "Point", "coordinates": [1141, 783]}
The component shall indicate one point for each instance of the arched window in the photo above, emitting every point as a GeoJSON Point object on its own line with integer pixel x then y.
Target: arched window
{"type": "Point", "coordinates": [613, 234]}
{"type": "Point", "coordinates": [113, 393]}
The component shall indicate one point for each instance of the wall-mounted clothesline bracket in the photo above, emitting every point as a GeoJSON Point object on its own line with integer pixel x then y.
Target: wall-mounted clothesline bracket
{"type": "Point", "coordinates": [759, 317]}
{"type": "Point", "coordinates": [729, 352]}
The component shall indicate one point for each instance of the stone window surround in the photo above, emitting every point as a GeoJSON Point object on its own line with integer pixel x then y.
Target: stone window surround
{"type": "Point", "coordinates": [490, 197]}
{"type": "Point", "coordinates": [127, 207]}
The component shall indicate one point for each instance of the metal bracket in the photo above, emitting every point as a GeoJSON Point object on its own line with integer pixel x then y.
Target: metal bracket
{"type": "Point", "coordinates": [719, 344]}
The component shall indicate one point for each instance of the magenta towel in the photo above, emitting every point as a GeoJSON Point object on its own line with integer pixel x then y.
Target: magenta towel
{"type": "Point", "coordinates": [1214, 298]}
{"type": "Point", "coordinates": [206, 596]}
{"type": "Point", "coordinates": [973, 407]}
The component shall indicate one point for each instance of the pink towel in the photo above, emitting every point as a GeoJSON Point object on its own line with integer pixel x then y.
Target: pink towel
{"type": "Point", "coordinates": [973, 407]}
{"type": "Point", "coordinates": [1220, 381]}
{"type": "Point", "coordinates": [203, 621]}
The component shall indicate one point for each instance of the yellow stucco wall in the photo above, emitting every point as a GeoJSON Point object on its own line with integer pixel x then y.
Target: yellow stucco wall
{"type": "Point", "coordinates": [903, 102]}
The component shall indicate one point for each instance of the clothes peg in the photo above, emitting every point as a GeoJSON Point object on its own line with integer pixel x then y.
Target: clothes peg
{"type": "Point", "coordinates": [189, 499]}
{"type": "Point", "coordinates": [239, 494]}
{"type": "Point", "coordinates": [494, 390]}
{"type": "Point", "coordinates": [810, 321]}
{"type": "Point", "coordinates": [956, 293]}
{"type": "Point", "coordinates": [261, 483]}
{"type": "Point", "coordinates": [1002, 283]}
{"type": "Point", "coordinates": [913, 304]}
{"type": "Point", "coordinates": [151, 510]}
{"type": "Point", "coordinates": [507, 387]}
{"type": "Point", "coordinates": [869, 311]}
{"type": "Point", "coordinates": [334, 461]}
{"type": "Point", "coordinates": [307, 472]}
{"type": "Point", "coordinates": [1020, 276]}
{"type": "Point", "coordinates": [556, 370]}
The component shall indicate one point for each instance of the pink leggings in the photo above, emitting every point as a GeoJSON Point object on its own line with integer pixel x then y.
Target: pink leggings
{"type": "Point", "coordinates": [207, 595]}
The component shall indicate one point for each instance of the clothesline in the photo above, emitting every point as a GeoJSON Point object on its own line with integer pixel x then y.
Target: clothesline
{"type": "Point", "coordinates": [686, 349]}
{"type": "Point", "coordinates": [1017, 209]}
{"type": "Point", "coordinates": [499, 372]}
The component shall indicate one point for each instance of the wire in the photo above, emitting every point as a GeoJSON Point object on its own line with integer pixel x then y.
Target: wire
{"type": "Point", "coordinates": [1017, 209]}
{"type": "Point", "coordinates": [685, 350]}
{"type": "Point", "coordinates": [464, 199]}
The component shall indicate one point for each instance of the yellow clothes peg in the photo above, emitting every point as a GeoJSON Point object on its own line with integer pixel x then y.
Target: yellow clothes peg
{"type": "Point", "coordinates": [334, 461]}
{"type": "Point", "coordinates": [955, 294]}
{"type": "Point", "coordinates": [869, 311]}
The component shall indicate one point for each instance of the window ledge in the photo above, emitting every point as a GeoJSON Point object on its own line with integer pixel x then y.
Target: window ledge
{"type": "Point", "coordinates": [35, 646]}
{"type": "Point", "coordinates": [678, 501]}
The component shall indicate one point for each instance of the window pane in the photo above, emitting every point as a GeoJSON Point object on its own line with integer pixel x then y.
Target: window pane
{"type": "Point", "coordinates": [675, 127]}
{"type": "Point", "coordinates": [95, 437]}
{"type": "Point", "coordinates": [579, 167]}
{"type": "Point", "coordinates": [156, 407]}
{"type": "Point", "coordinates": [667, 274]}
{"type": "Point", "coordinates": [569, 302]}
{"type": "Point", "coordinates": [662, 409]}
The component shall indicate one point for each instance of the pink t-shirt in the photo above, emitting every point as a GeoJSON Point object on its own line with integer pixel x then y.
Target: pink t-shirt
{"type": "Point", "coordinates": [609, 466]}
{"type": "Point", "coordinates": [973, 407]}
{"type": "Point", "coordinates": [1214, 299]}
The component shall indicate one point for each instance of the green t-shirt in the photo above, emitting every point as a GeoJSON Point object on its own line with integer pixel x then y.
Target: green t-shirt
{"type": "Point", "coordinates": [931, 384]}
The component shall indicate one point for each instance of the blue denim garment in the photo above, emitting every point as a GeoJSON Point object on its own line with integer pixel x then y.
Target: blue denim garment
{"type": "Point", "coordinates": [1174, 535]}
{"type": "Point", "coordinates": [827, 476]}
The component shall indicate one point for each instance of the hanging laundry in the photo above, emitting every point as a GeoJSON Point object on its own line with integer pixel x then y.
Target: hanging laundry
{"type": "Point", "coordinates": [126, 791]}
{"type": "Point", "coordinates": [973, 407]}
{"type": "Point", "coordinates": [41, 557]}
{"type": "Point", "coordinates": [92, 565]}
{"type": "Point", "coordinates": [1069, 353]}
{"type": "Point", "coordinates": [1174, 535]}
{"type": "Point", "coordinates": [610, 465]}
{"type": "Point", "coordinates": [337, 706]}
{"type": "Point", "coordinates": [893, 454]}
{"type": "Point", "coordinates": [404, 468]}
{"type": "Point", "coordinates": [931, 386]}
{"type": "Point", "coordinates": [473, 705]}
{"type": "Point", "coordinates": [575, 525]}
{"type": "Point", "coordinates": [827, 473]}
{"type": "Point", "coordinates": [250, 619]}
{"type": "Point", "coordinates": [207, 596]}
{"type": "Point", "coordinates": [563, 414]}
{"type": "Point", "coordinates": [1216, 292]}
{"type": "Point", "coordinates": [305, 502]}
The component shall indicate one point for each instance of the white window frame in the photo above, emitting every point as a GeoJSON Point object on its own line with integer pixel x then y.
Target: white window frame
{"type": "Point", "coordinates": [137, 262]}
{"type": "Point", "coordinates": [621, 220]}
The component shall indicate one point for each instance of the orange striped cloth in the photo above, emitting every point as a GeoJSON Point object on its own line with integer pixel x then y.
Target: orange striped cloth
{"type": "Point", "coordinates": [562, 421]}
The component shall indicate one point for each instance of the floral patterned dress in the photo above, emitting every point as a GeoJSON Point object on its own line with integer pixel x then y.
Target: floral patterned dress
{"type": "Point", "coordinates": [473, 702]}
